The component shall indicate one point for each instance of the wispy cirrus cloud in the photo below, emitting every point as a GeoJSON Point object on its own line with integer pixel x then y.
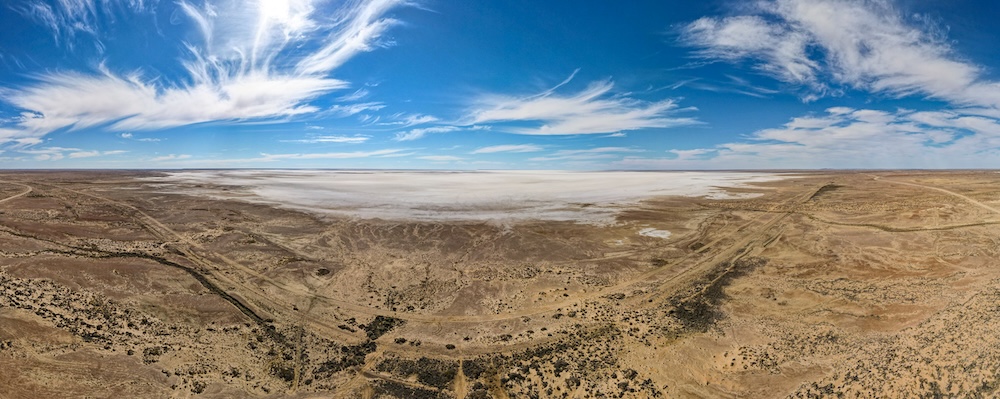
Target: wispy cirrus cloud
{"type": "Point", "coordinates": [185, 160]}
{"type": "Point", "coordinates": [852, 138]}
{"type": "Point", "coordinates": [49, 153]}
{"type": "Point", "coordinates": [354, 109]}
{"type": "Point", "coordinates": [356, 96]}
{"type": "Point", "coordinates": [329, 155]}
{"type": "Point", "coordinates": [170, 157]}
{"type": "Point", "coordinates": [781, 49]}
{"type": "Point", "coordinates": [414, 134]}
{"type": "Point", "coordinates": [827, 45]}
{"type": "Point", "coordinates": [441, 158]}
{"type": "Point", "coordinates": [130, 136]}
{"type": "Point", "coordinates": [58, 153]}
{"type": "Point", "coordinates": [68, 18]}
{"type": "Point", "coordinates": [359, 26]}
{"type": "Point", "coordinates": [260, 60]}
{"type": "Point", "coordinates": [89, 154]}
{"type": "Point", "coordinates": [695, 154]}
{"type": "Point", "coordinates": [77, 101]}
{"type": "Point", "coordinates": [407, 120]}
{"type": "Point", "coordinates": [357, 139]}
{"type": "Point", "coordinates": [508, 148]}
{"type": "Point", "coordinates": [589, 154]}
{"type": "Point", "coordinates": [590, 111]}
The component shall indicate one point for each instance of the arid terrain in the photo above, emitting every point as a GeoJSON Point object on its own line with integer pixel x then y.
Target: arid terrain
{"type": "Point", "coordinates": [819, 284]}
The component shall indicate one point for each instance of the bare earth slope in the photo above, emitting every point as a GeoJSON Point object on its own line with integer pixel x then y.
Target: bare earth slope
{"type": "Point", "coordinates": [857, 284]}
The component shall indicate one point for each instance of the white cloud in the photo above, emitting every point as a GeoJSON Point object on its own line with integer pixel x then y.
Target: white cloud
{"type": "Point", "coordinates": [48, 153]}
{"type": "Point", "coordinates": [79, 101]}
{"type": "Point", "coordinates": [507, 148]}
{"type": "Point", "coordinates": [49, 157]}
{"type": "Point", "coordinates": [23, 142]}
{"type": "Point", "coordinates": [589, 154]}
{"type": "Point", "coordinates": [84, 154]}
{"type": "Point", "coordinates": [71, 17]}
{"type": "Point", "coordinates": [592, 110]}
{"type": "Point", "coordinates": [397, 155]}
{"type": "Point", "coordinates": [130, 136]}
{"type": "Point", "coordinates": [859, 44]}
{"type": "Point", "coordinates": [330, 155]}
{"type": "Point", "coordinates": [354, 109]}
{"type": "Point", "coordinates": [357, 95]}
{"type": "Point", "coordinates": [844, 139]}
{"type": "Point", "coordinates": [18, 135]}
{"type": "Point", "coordinates": [186, 160]}
{"type": "Point", "coordinates": [407, 120]}
{"type": "Point", "coordinates": [782, 49]}
{"type": "Point", "coordinates": [171, 157]}
{"type": "Point", "coordinates": [358, 139]}
{"type": "Point", "coordinates": [242, 68]}
{"type": "Point", "coordinates": [360, 28]}
{"type": "Point", "coordinates": [419, 133]}
{"type": "Point", "coordinates": [441, 158]}
{"type": "Point", "coordinates": [58, 153]}
{"type": "Point", "coordinates": [685, 155]}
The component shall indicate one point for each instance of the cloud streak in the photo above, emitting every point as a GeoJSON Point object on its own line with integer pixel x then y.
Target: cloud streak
{"type": "Point", "coordinates": [170, 157]}
{"type": "Point", "coordinates": [68, 18]}
{"type": "Point", "coordinates": [59, 153]}
{"type": "Point", "coordinates": [358, 139]}
{"type": "Point", "coordinates": [414, 134]}
{"type": "Point", "coordinates": [827, 45]}
{"type": "Point", "coordinates": [507, 148]}
{"type": "Point", "coordinates": [441, 158]}
{"type": "Point", "coordinates": [264, 60]}
{"type": "Point", "coordinates": [328, 155]}
{"type": "Point", "coordinates": [589, 154]}
{"type": "Point", "coordinates": [79, 101]}
{"type": "Point", "coordinates": [844, 138]}
{"type": "Point", "coordinates": [592, 110]}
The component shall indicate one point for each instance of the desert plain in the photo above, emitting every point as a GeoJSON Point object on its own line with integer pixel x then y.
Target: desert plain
{"type": "Point", "coordinates": [336, 284]}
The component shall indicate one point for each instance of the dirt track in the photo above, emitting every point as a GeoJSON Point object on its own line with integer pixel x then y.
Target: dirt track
{"type": "Point", "coordinates": [789, 293]}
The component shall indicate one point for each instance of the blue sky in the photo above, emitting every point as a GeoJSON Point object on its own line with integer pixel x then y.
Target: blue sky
{"type": "Point", "coordinates": [517, 84]}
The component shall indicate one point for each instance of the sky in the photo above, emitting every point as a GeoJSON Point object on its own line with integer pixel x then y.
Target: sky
{"type": "Point", "coordinates": [511, 84]}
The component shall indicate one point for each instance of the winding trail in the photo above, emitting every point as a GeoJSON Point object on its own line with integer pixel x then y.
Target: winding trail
{"type": "Point", "coordinates": [192, 251]}
{"type": "Point", "coordinates": [970, 200]}
{"type": "Point", "coordinates": [27, 190]}
{"type": "Point", "coordinates": [248, 288]}
{"type": "Point", "coordinates": [217, 277]}
{"type": "Point", "coordinates": [252, 291]}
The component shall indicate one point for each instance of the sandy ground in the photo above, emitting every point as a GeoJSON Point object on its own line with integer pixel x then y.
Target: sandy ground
{"type": "Point", "coordinates": [145, 284]}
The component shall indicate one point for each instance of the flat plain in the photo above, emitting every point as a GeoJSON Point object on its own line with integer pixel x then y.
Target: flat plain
{"type": "Point", "coordinates": [814, 284]}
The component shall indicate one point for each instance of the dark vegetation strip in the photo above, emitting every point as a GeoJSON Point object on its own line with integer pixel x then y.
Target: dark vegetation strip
{"type": "Point", "coordinates": [699, 311]}
{"type": "Point", "coordinates": [215, 289]}
{"type": "Point", "coordinates": [243, 308]}
{"type": "Point", "coordinates": [351, 356]}
{"type": "Point", "coordinates": [204, 281]}
{"type": "Point", "coordinates": [823, 190]}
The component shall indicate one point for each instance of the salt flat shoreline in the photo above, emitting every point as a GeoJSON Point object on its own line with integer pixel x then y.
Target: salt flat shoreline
{"type": "Point", "coordinates": [588, 197]}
